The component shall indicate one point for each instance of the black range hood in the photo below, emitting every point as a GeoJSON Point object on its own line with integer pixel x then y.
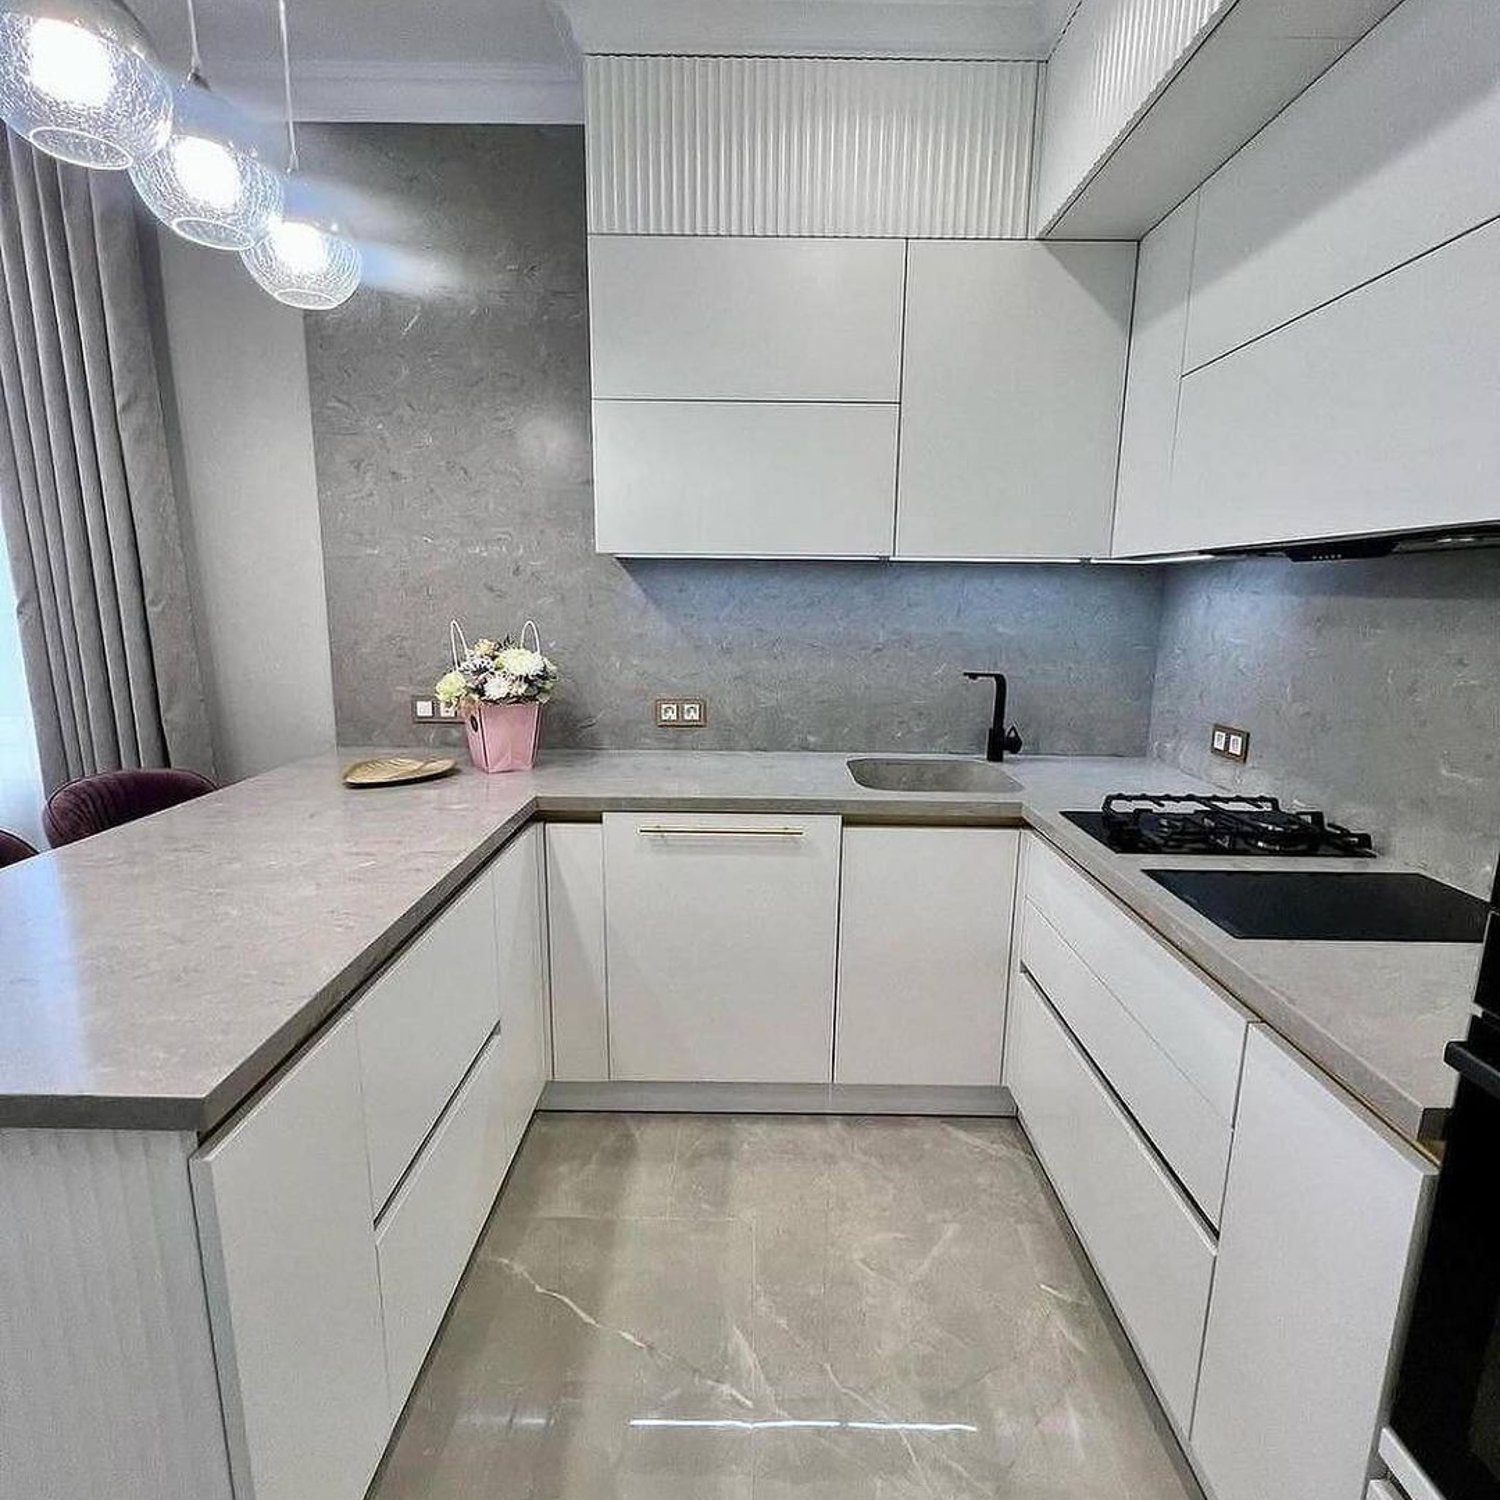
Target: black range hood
{"type": "Point", "coordinates": [1384, 544]}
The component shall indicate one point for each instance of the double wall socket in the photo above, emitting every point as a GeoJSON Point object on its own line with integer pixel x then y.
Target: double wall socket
{"type": "Point", "coordinates": [1230, 743]}
{"type": "Point", "coordinates": [427, 710]}
{"type": "Point", "coordinates": [681, 713]}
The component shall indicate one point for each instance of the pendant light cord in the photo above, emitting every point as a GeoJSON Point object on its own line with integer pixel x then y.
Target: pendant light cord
{"type": "Point", "coordinates": [195, 57]}
{"type": "Point", "coordinates": [286, 78]}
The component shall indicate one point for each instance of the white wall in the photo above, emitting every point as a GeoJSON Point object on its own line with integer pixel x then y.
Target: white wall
{"type": "Point", "coordinates": [241, 427]}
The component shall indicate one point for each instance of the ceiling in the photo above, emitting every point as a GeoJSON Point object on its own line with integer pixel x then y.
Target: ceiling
{"type": "Point", "coordinates": [519, 60]}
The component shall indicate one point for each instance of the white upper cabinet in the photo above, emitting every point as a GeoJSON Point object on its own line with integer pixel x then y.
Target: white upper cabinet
{"type": "Point", "coordinates": [743, 478]}
{"type": "Point", "coordinates": [1110, 62]}
{"type": "Point", "coordinates": [1144, 98]}
{"type": "Point", "coordinates": [1374, 413]}
{"type": "Point", "coordinates": [1388, 154]}
{"type": "Point", "coordinates": [1011, 393]}
{"type": "Point", "coordinates": [702, 318]}
{"type": "Point", "coordinates": [1314, 1252]}
{"type": "Point", "coordinates": [1153, 380]}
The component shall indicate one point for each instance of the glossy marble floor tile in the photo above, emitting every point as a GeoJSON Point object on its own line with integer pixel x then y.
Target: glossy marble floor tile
{"type": "Point", "coordinates": [716, 1307]}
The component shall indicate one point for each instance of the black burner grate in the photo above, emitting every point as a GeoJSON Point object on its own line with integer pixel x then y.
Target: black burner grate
{"type": "Point", "coordinates": [1158, 823]}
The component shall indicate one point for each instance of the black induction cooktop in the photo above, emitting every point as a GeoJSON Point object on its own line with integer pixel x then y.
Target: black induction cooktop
{"type": "Point", "coordinates": [1330, 905]}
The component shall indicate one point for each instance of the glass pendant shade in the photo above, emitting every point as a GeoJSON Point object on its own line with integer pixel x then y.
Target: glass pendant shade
{"type": "Point", "coordinates": [80, 83]}
{"type": "Point", "coordinates": [304, 266]}
{"type": "Point", "coordinates": [208, 189]}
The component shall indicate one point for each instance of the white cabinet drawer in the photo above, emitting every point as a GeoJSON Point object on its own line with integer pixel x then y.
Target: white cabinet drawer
{"type": "Point", "coordinates": [426, 1235]}
{"type": "Point", "coordinates": [1192, 1136]}
{"type": "Point", "coordinates": [721, 933]}
{"type": "Point", "coordinates": [1154, 1258]}
{"type": "Point", "coordinates": [421, 1023]}
{"type": "Point", "coordinates": [1201, 1032]}
{"type": "Point", "coordinates": [745, 319]}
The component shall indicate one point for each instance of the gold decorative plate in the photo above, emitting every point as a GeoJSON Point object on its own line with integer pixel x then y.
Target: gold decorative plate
{"type": "Point", "coordinates": [392, 770]}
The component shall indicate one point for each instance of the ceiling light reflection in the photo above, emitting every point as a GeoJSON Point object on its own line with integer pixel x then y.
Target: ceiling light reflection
{"type": "Point", "coordinates": [740, 1424]}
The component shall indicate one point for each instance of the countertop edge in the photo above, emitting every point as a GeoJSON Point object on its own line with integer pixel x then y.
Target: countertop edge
{"type": "Point", "coordinates": [1404, 1114]}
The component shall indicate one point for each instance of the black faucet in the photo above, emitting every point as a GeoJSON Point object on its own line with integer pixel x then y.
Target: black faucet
{"type": "Point", "coordinates": [1000, 738]}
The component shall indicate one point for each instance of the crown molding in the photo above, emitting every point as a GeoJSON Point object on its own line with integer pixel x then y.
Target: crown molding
{"type": "Point", "coordinates": [969, 29]}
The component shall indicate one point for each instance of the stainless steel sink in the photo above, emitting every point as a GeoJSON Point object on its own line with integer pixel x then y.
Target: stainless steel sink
{"type": "Point", "coordinates": [911, 774]}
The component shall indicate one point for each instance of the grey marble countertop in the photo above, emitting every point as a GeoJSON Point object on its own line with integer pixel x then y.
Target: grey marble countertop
{"type": "Point", "coordinates": [153, 976]}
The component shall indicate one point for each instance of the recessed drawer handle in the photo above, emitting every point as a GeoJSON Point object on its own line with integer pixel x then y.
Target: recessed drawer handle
{"type": "Point", "coordinates": [724, 833]}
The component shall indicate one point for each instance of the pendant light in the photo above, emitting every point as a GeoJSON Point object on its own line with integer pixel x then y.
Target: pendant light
{"type": "Point", "coordinates": [200, 183]}
{"type": "Point", "coordinates": [79, 81]}
{"type": "Point", "coordinates": [301, 262]}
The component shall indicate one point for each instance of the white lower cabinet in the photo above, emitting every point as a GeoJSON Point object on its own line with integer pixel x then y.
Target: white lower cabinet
{"type": "Point", "coordinates": [1321, 1219]}
{"type": "Point", "coordinates": [924, 951]}
{"type": "Point", "coordinates": [425, 1236]}
{"type": "Point", "coordinates": [575, 951]}
{"type": "Point", "coordinates": [323, 1306]}
{"type": "Point", "coordinates": [1154, 1256]}
{"type": "Point", "coordinates": [421, 1023]}
{"type": "Point", "coordinates": [721, 931]}
{"type": "Point", "coordinates": [284, 1219]}
{"type": "Point", "coordinates": [522, 971]}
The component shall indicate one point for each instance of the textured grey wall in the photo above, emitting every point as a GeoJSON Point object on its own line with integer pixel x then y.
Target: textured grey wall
{"type": "Point", "coordinates": [452, 436]}
{"type": "Point", "coordinates": [1371, 689]}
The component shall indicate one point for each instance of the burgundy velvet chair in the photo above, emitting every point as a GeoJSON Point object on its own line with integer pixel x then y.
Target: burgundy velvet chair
{"type": "Point", "coordinates": [93, 803]}
{"type": "Point", "coordinates": [13, 849]}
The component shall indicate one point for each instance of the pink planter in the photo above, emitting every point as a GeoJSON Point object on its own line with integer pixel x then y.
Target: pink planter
{"type": "Point", "coordinates": [502, 736]}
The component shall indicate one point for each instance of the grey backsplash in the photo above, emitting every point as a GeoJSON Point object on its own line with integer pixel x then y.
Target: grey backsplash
{"type": "Point", "coordinates": [1371, 689]}
{"type": "Point", "coordinates": [452, 437]}
{"type": "Point", "coordinates": [452, 441]}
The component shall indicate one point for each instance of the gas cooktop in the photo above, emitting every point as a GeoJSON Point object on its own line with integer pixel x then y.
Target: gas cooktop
{"type": "Point", "coordinates": [1151, 823]}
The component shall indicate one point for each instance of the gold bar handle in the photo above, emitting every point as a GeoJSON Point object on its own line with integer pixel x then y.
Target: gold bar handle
{"type": "Point", "coordinates": [720, 833]}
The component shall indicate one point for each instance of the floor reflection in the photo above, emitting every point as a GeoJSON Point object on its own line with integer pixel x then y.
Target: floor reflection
{"type": "Point", "coordinates": [774, 1307]}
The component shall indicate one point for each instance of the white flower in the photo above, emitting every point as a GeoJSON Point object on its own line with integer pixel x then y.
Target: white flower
{"type": "Point", "coordinates": [499, 688]}
{"type": "Point", "coordinates": [518, 661]}
{"type": "Point", "coordinates": [451, 688]}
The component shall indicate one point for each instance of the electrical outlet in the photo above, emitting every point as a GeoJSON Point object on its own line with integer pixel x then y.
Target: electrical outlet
{"type": "Point", "coordinates": [424, 710]}
{"type": "Point", "coordinates": [681, 713]}
{"type": "Point", "coordinates": [1230, 743]}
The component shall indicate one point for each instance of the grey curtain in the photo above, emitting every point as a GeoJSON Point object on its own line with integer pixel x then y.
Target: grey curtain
{"type": "Point", "coordinates": [91, 522]}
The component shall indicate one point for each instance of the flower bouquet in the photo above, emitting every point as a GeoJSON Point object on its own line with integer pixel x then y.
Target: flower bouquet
{"type": "Point", "coordinates": [499, 688]}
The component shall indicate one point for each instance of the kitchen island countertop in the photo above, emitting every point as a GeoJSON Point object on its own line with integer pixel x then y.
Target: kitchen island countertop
{"type": "Point", "coordinates": [153, 976]}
